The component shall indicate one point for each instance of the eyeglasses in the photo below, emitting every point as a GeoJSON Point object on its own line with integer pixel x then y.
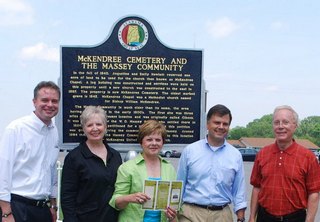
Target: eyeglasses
{"type": "Point", "coordinates": [283, 123]}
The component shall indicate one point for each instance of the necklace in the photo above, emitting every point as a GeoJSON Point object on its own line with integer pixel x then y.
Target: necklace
{"type": "Point", "coordinates": [99, 151]}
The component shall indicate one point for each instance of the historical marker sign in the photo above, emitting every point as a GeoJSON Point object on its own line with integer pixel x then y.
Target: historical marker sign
{"type": "Point", "coordinates": [134, 77]}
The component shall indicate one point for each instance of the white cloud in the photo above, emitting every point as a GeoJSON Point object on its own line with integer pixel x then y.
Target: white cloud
{"type": "Point", "coordinates": [40, 51]}
{"type": "Point", "coordinates": [15, 12]}
{"type": "Point", "coordinates": [222, 27]}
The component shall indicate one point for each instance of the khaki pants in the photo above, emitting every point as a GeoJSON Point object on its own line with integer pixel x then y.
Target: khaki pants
{"type": "Point", "coordinates": [191, 213]}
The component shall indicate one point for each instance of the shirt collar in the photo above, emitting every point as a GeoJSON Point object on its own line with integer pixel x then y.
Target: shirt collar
{"type": "Point", "coordinates": [39, 124]}
{"type": "Point", "coordinates": [213, 147]}
{"type": "Point", "coordinates": [290, 150]}
{"type": "Point", "coordinates": [140, 159]}
{"type": "Point", "coordinates": [88, 154]}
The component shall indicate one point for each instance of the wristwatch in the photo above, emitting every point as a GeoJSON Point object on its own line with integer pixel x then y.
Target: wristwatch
{"type": "Point", "coordinates": [6, 215]}
{"type": "Point", "coordinates": [241, 220]}
{"type": "Point", "coordinates": [54, 207]}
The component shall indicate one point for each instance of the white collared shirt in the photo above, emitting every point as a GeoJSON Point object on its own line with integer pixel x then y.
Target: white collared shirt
{"type": "Point", "coordinates": [28, 154]}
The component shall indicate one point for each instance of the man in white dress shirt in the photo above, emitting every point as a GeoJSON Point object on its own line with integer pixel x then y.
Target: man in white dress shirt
{"type": "Point", "coordinates": [28, 155]}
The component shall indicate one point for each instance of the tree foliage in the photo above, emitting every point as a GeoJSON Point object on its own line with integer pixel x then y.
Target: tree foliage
{"type": "Point", "coordinates": [309, 128]}
{"type": "Point", "coordinates": [261, 127]}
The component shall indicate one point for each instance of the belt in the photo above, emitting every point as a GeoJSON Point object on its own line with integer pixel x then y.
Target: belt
{"type": "Point", "coordinates": [295, 215]}
{"type": "Point", "coordinates": [32, 202]}
{"type": "Point", "coordinates": [209, 207]}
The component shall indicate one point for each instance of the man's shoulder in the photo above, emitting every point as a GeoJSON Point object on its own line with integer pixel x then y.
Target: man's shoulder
{"type": "Point", "coordinates": [268, 147]}
{"type": "Point", "coordinates": [230, 146]}
{"type": "Point", "coordinates": [20, 122]}
{"type": "Point", "coordinates": [194, 147]}
{"type": "Point", "coordinates": [197, 149]}
{"type": "Point", "coordinates": [196, 144]}
{"type": "Point", "coordinates": [303, 149]}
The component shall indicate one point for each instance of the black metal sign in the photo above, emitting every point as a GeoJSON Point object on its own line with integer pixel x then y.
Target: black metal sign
{"type": "Point", "coordinates": [134, 77]}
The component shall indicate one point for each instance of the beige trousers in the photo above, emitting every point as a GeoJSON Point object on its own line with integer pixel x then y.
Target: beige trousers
{"type": "Point", "coordinates": [191, 213]}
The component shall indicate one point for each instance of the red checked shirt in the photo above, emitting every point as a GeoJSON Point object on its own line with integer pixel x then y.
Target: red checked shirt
{"type": "Point", "coordinates": [285, 178]}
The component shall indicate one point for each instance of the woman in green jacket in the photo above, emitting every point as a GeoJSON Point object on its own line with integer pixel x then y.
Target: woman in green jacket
{"type": "Point", "coordinates": [128, 195]}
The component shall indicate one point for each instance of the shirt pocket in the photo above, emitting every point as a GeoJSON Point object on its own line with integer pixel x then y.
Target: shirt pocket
{"type": "Point", "coordinates": [225, 176]}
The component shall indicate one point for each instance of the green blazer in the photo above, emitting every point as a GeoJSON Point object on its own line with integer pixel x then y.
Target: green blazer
{"type": "Point", "coordinates": [130, 179]}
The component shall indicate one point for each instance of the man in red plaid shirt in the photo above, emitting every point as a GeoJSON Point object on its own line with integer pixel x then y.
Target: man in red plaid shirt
{"type": "Point", "coordinates": [285, 176]}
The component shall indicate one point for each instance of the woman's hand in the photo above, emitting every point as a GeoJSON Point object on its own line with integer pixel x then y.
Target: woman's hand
{"type": "Point", "coordinates": [171, 214]}
{"type": "Point", "coordinates": [138, 198]}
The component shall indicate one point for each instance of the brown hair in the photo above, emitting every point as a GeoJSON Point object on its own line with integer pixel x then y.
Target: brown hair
{"type": "Point", "coordinates": [151, 126]}
{"type": "Point", "coordinates": [45, 84]}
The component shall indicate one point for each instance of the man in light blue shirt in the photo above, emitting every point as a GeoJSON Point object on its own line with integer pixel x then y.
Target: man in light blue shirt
{"type": "Point", "coordinates": [213, 174]}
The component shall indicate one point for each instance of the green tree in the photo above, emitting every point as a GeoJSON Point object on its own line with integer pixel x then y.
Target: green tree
{"type": "Point", "coordinates": [261, 127]}
{"type": "Point", "coordinates": [309, 128]}
{"type": "Point", "coordinates": [257, 128]}
{"type": "Point", "coordinates": [237, 132]}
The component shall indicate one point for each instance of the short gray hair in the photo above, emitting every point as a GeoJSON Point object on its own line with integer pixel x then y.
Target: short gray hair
{"type": "Point", "coordinates": [89, 111]}
{"type": "Point", "coordinates": [294, 113]}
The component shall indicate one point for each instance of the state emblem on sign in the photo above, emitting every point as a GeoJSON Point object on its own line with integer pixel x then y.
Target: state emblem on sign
{"type": "Point", "coordinates": [133, 34]}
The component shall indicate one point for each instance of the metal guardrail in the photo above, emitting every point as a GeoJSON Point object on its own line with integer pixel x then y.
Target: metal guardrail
{"type": "Point", "coordinates": [59, 169]}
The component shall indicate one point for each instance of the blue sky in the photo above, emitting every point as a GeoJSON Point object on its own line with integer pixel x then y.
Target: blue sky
{"type": "Point", "coordinates": [257, 54]}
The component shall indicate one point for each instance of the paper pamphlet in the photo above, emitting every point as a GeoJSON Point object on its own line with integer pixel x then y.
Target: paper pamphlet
{"type": "Point", "coordinates": [163, 193]}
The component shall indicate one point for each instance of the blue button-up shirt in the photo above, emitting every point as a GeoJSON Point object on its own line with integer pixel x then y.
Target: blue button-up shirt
{"type": "Point", "coordinates": [212, 175]}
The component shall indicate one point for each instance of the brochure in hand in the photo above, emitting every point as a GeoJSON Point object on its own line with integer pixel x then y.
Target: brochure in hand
{"type": "Point", "coordinates": [163, 193]}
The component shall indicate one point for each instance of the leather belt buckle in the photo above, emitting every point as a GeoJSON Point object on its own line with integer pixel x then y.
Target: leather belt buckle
{"type": "Point", "coordinates": [279, 218]}
{"type": "Point", "coordinates": [211, 207]}
{"type": "Point", "coordinates": [41, 203]}
{"type": "Point", "coordinates": [208, 207]}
